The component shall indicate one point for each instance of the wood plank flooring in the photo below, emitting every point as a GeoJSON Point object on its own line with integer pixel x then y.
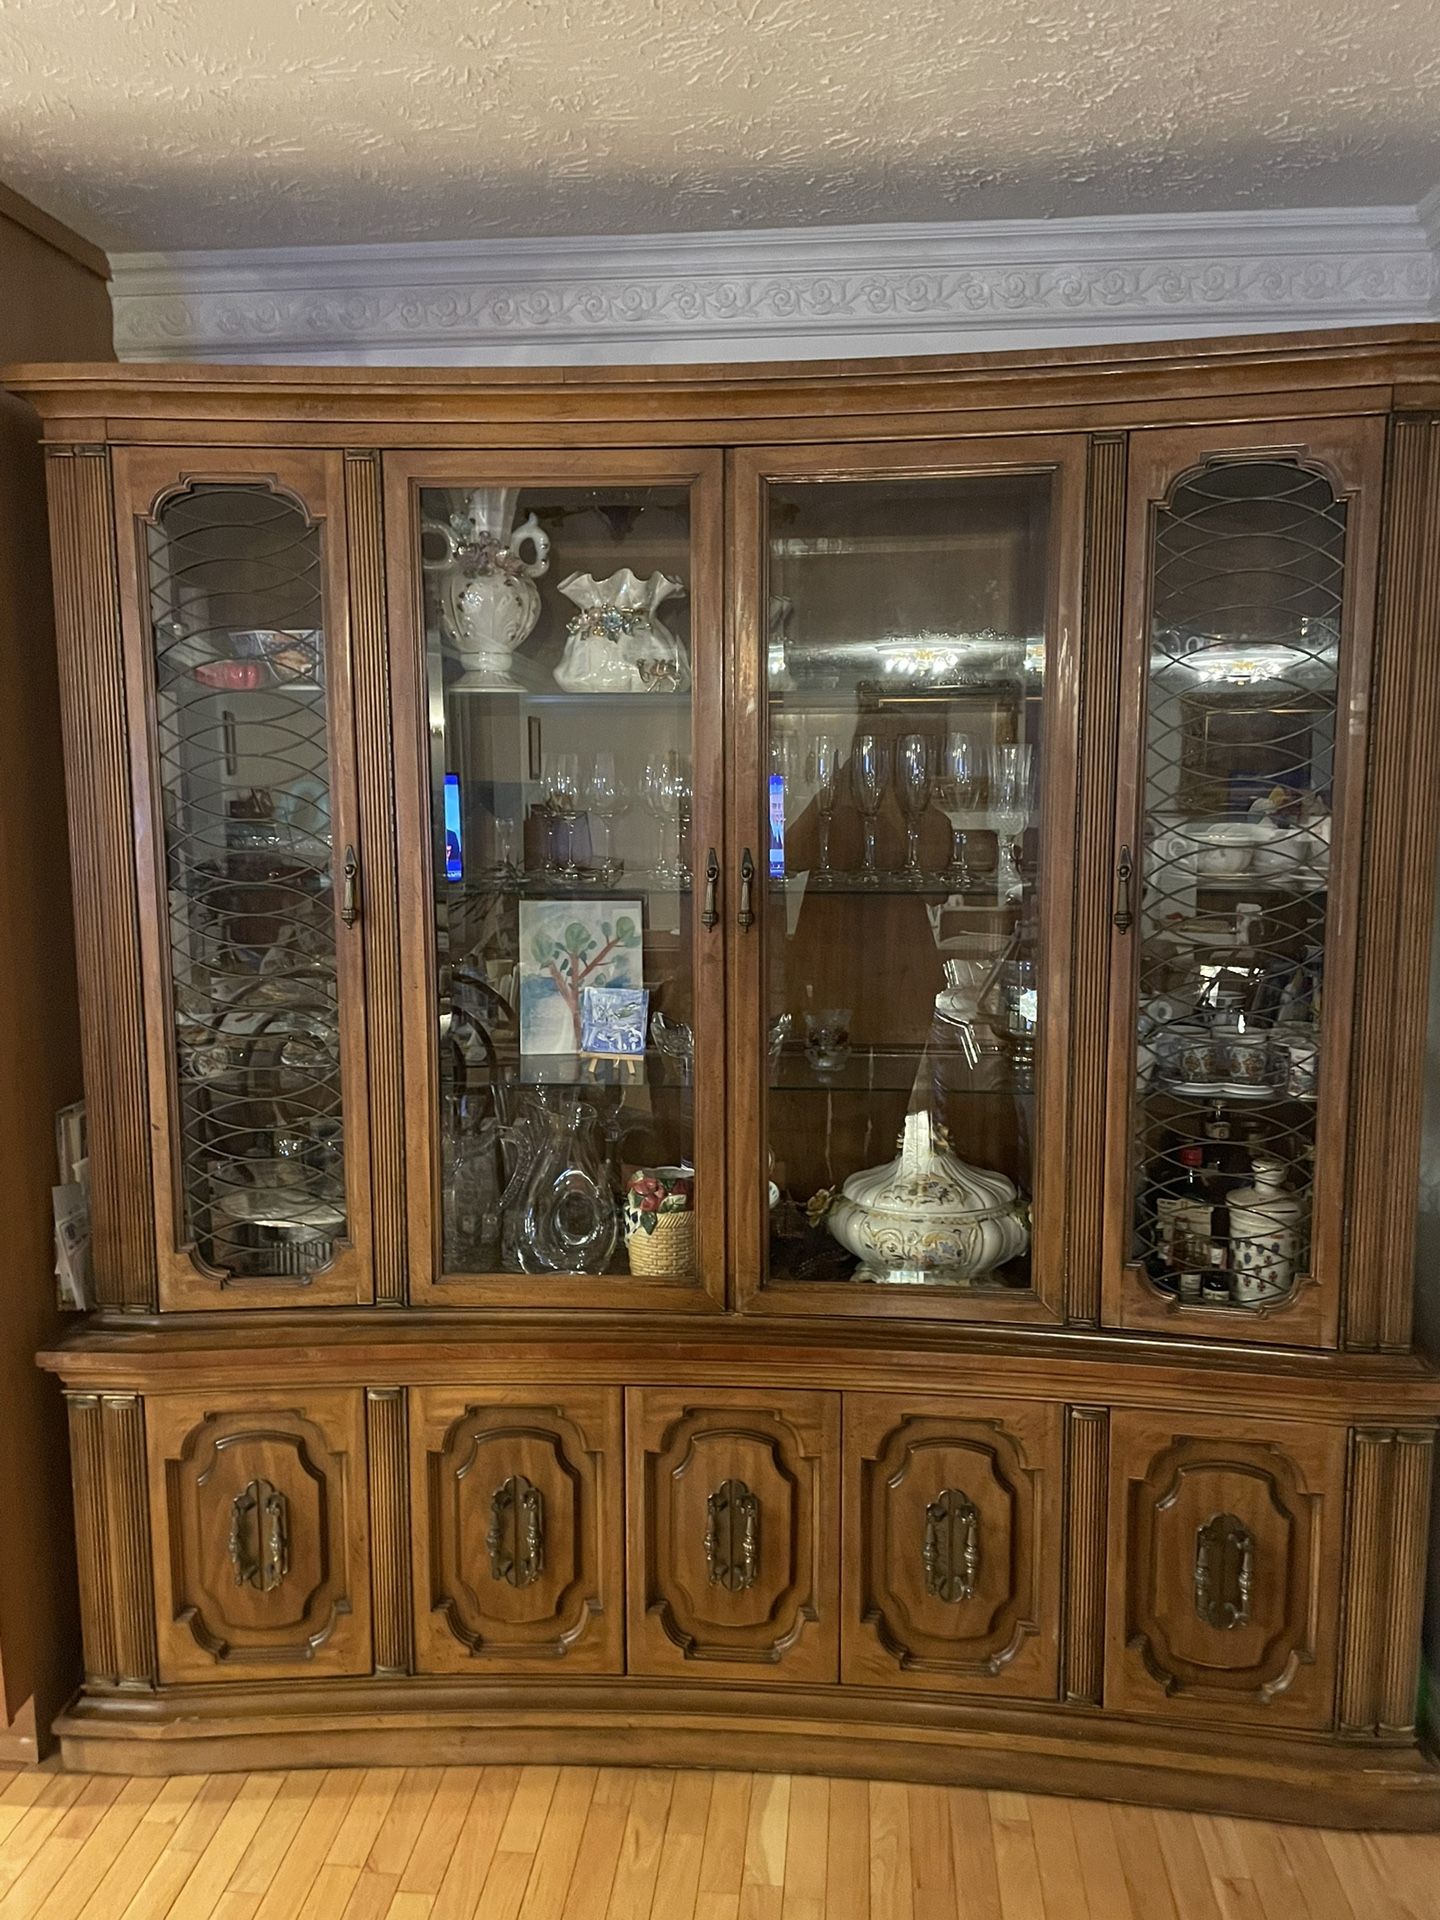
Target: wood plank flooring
{"type": "Point", "coordinates": [580, 1843]}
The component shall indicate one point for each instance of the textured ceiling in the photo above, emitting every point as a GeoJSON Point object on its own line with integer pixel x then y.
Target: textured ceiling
{"type": "Point", "coordinates": [232, 123]}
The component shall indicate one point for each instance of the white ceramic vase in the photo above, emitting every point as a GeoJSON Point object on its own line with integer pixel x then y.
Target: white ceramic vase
{"type": "Point", "coordinates": [486, 588]}
{"type": "Point", "coordinates": [927, 1217]}
{"type": "Point", "coordinates": [617, 642]}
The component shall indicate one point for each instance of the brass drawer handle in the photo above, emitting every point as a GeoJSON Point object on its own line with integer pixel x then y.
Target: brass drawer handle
{"type": "Point", "coordinates": [516, 1539]}
{"type": "Point", "coordinates": [350, 898]}
{"type": "Point", "coordinates": [746, 916]}
{"type": "Point", "coordinates": [1224, 1572]}
{"type": "Point", "coordinates": [1124, 874]}
{"type": "Point", "coordinates": [732, 1536]}
{"type": "Point", "coordinates": [951, 1547]}
{"type": "Point", "coordinates": [711, 913]}
{"type": "Point", "coordinates": [260, 1536]}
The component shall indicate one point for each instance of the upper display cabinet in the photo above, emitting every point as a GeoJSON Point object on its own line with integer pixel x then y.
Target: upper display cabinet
{"type": "Point", "coordinates": [560, 771]}
{"type": "Point", "coordinates": [682, 868]}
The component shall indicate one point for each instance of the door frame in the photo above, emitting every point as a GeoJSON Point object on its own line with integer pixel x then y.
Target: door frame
{"type": "Point", "coordinates": [749, 472]}
{"type": "Point", "coordinates": [1350, 454]}
{"type": "Point", "coordinates": [145, 478]}
{"type": "Point", "coordinates": [405, 474]}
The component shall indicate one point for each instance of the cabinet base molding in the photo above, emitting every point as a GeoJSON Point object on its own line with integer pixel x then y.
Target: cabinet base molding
{"type": "Point", "coordinates": [1319, 1782]}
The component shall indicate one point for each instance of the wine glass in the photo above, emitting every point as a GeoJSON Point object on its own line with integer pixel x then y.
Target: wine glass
{"type": "Point", "coordinates": [869, 777]}
{"type": "Point", "coordinates": [955, 796]}
{"type": "Point", "coordinates": [1010, 768]}
{"type": "Point", "coordinates": [562, 797]}
{"type": "Point", "coordinates": [912, 790]}
{"type": "Point", "coordinates": [606, 798]}
{"type": "Point", "coordinates": [822, 772]}
{"type": "Point", "coordinates": [681, 794]}
{"type": "Point", "coordinates": [666, 792]}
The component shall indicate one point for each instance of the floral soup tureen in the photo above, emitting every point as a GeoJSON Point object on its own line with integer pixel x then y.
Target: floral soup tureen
{"type": "Point", "coordinates": [927, 1217]}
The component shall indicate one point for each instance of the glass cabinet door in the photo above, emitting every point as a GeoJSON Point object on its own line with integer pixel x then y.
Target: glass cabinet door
{"type": "Point", "coordinates": [1242, 754]}
{"type": "Point", "coordinates": [567, 988]}
{"type": "Point", "coordinates": [910, 663]}
{"type": "Point", "coordinates": [240, 704]}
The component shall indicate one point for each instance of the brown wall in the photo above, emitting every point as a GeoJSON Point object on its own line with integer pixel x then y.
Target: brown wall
{"type": "Point", "coordinates": [53, 306]}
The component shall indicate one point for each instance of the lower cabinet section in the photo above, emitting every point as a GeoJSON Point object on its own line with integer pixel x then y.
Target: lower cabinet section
{"type": "Point", "coordinates": [953, 1531]}
{"type": "Point", "coordinates": [258, 1513]}
{"type": "Point", "coordinates": [931, 1582]}
{"type": "Point", "coordinates": [518, 1528]}
{"type": "Point", "coordinates": [733, 1524]}
{"type": "Point", "coordinates": [1226, 1568]}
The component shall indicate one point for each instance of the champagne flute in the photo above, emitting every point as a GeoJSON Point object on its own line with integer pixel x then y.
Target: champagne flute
{"type": "Point", "coordinates": [869, 777]}
{"type": "Point", "coordinates": [955, 794]}
{"type": "Point", "coordinates": [912, 790]}
{"type": "Point", "coordinates": [606, 798]}
{"type": "Point", "coordinates": [652, 794]}
{"type": "Point", "coordinates": [563, 797]}
{"type": "Point", "coordinates": [822, 775]}
{"type": "Point", "coordinates": [1010, 803]}
{"type": "Point", "coordinates": [680, 794]}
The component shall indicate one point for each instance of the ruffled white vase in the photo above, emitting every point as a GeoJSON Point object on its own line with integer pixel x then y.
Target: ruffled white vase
{"type": "Point", "coordinates": [617, 643]}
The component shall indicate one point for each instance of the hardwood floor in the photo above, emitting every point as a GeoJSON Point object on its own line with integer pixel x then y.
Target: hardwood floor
{"type": "Point", "coordinates": [577, 1843]}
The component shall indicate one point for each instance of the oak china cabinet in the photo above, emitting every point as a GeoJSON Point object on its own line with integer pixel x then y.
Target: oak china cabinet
{"type": "Point", "coordinates": [753, 1043]}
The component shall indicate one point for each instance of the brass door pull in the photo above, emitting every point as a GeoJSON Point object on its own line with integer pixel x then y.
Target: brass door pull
{"type": "Point", "coordinates": [350, 897]}
{"type": "Point", "coordinates": [1124, 874]}
{"type": "Point", "coordinates": [732, 1536]}
{"type": "Point", "coordinates": [711, 911]}
{"type": "Point", "coordinates": [746, 916]}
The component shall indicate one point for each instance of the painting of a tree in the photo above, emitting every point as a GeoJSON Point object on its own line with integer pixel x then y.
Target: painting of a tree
{"type": "Point", "coordinates": [565, 946]}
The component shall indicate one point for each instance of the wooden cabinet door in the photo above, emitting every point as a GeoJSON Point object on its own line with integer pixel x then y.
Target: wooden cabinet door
{"type": "Point", "coordinates": [952, 1545]}
{"type": "Point", "coordinates": [1225, 1546]}
{"type": "Point", "coordinates": [516, 1494]}
{"type": "Point", "coordinates": [732, 1534]}
{"type": "Point", "coordinates": [254, 909]}
{"type": "Point", "coordinates": [261, 1567]}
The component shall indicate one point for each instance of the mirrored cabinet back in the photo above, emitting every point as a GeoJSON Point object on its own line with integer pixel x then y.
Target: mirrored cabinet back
{"type": "Point", "coordinates": [754, 1045]}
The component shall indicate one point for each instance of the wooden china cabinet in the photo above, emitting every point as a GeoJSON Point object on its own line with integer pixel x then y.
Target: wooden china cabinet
{"type": "Point", "coordinates": [754, 1043]}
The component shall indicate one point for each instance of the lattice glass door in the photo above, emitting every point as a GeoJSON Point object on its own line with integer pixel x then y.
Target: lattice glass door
{"type": "Point", "coordinates": [1233, 888]}
{"type": "Point", "coordinates": [258, 889]}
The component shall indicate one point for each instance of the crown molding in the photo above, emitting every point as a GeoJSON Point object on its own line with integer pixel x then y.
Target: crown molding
{"type": "Point", "coordinates": [800, 293]}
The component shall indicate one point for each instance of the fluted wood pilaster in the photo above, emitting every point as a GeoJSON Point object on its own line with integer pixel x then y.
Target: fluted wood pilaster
{"type": "Point", "coordinates": [392, 1606]}
{"type": "Point", "coordinates": [1104, 592]}
{"type": "Point", "coordinates": [112, 1527]}
{"type": "Point", "coordinates": [1404, 809]}
{"type": "Point", "coordinates": [102, 857]}
{"type": "Point", "coordinates": [381, 919]}
{"type": "Point", "coordinates": [1370, 1457]}
{"type": "Point", "coordinates": [1088, 1444]}
{"type": "Point", "coordinates": [1405, 1595]}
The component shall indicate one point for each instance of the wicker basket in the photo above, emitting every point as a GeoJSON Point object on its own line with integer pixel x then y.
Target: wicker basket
{"type": "Point", "coordinates": [669, 1249]}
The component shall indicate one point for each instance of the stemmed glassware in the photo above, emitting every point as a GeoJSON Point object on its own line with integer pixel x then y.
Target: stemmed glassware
{"type": "Point", "coordinates": [1010, 799]}
{"type": "Point", "coordinates": [606, 798]}
{"type": "Point", "coordinates": [822, 776]}
{"type": "Point", "coordinates": [912, 790]}
{"type": "Point", "coordinates": [955, 792]}
{"type": "Point", "coordinates": [869, 777]}
{"type": "Point", "coordinates": [562, 799]}
{"type": "Point", "coordinates": [667, 794]}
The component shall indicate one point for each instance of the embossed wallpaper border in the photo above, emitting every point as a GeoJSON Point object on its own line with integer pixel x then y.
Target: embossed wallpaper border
{"type": "Point", "coordinates": [793, 294]}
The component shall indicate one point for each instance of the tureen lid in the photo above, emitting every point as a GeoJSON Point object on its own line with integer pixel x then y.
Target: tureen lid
{"type": "Point", "coordinates": [926, 1178]}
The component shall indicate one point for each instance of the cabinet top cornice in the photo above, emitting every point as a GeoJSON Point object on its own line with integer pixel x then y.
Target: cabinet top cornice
{"type": "Point", "coordinates": [1356, 370]}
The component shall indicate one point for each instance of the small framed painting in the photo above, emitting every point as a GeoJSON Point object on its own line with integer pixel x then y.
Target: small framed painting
{"type": "Point", "coordinates": [613, 1021]}
{"type": "Point", "coordinates": [565, 947]}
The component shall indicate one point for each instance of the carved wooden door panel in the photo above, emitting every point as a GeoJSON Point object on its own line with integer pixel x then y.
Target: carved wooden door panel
{"type": "Point", "coordinates": [261, 1569]}
{"type": "Point", "coordinates": [952, 1544]}
{"type": "Point", "coordinates": [518, 1562]}
{"type": "Point", "coordinates": [732, 1535]}
{"type": "Point", "coordinates": [1225, 1550]}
